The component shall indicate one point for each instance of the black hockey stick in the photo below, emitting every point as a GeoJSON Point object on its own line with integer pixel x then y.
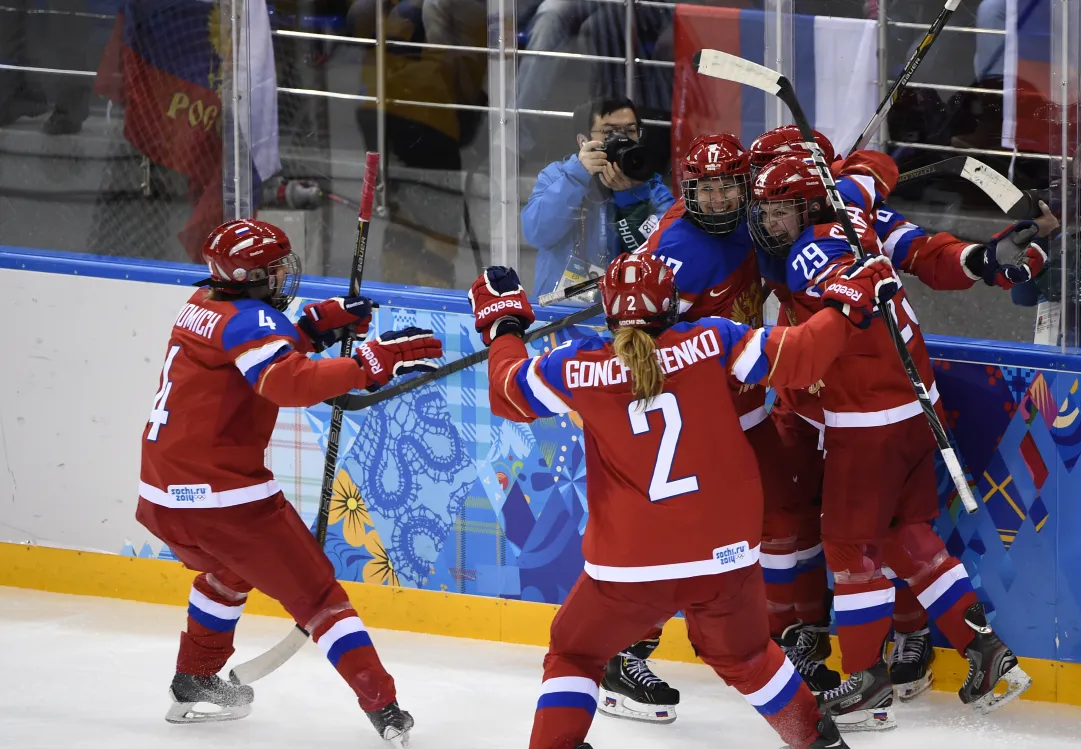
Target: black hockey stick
{"type": "Point", "coordinates": [731, 68]}
{"type": "Point", "coordinates": [353, 402]}
{"type": "Point", "coordinates": [257, 668]}
{"type": "Point", "coordinates": [895, 90]}
{"type": "Point", "coordinates": [1015, 203]}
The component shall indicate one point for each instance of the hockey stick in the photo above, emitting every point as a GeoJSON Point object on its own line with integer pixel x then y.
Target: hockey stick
{"type": "Point", "coordinates": [353, 402]}
{"type": "Point", "coordinates": [729, 67]}
{"type": "Point", "coordinates": [895, 90]}
{"type": "Point", "coordinates": [569, 292]}
{"type": "Point", "coordinates": [1015, 203]}
{"type": "Point", "coordinates": [258, 667]}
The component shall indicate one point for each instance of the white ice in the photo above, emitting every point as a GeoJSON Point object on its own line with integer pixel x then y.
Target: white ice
{"type": "Point", "coordinates": [80, 672]}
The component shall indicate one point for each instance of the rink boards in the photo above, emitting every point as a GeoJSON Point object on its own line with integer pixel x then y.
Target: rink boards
{"type": "Point", "coordinates": [436, 497]}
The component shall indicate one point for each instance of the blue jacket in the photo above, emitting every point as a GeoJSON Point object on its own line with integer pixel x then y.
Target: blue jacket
{"type": "Point", "coordinates": [564, 196]}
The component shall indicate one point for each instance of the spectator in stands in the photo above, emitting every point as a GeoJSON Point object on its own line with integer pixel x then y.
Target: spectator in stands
{"type": "Point", "coordinates": [584, 210]}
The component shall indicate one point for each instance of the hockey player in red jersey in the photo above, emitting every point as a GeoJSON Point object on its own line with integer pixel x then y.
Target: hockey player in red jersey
{"type": "Point", "coordinates": [871, 417]}
{"type": "Point", "coordinates": [942, 262]}
{"type": "Point", "coordinates": [704, 239]}
{"type": "Point", "coordinates": [233, 359]}
{"type": "Point", "coordinates": [657, 390]}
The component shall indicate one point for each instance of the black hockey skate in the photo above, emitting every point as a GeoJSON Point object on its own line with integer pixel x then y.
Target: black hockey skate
{"type": "Point", "coordinates": [862, 703]}
{"type": "Point", "coordinates": [828, 735]}
{"type": "Point", "coordinates": [802, 644]}
{"type": "Point", "coordinates": [630, 690]}
{"type": "Point", "coordinates": [990, 664]}
{"type": "Point", "coordinates": [392, 723]}
{"type": "Point", "coordinates": [910, 663]}
{"type": "Point", "coordinates": [201, 699]}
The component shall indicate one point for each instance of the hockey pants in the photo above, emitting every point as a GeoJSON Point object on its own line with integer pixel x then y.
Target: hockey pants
{"type": "Point", "coordinates": [726, 623]}
{"type": "Point", "coordinates": [264, 545]}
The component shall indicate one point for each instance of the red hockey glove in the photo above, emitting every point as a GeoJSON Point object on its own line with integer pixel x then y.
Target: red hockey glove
{"type": "Point", "coordinates": [861, 287]}
{"type": "Point", "coordinates": [396, 353]}
{"type": "Point", "coordinates": [1028, 256]}
{"type": "Point", "coordinates": [325, 322]}
{"type": "Point", "coordinates": [499, 304]}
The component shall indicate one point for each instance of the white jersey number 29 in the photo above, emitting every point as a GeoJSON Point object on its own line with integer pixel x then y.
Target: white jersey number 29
{"type": "Point", "coordinates": [661, 486]}
{"type": "Point", "coordinates": [159, 415]}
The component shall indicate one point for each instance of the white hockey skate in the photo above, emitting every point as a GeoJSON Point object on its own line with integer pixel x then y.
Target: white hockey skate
{"type": "Point", "coordinates": [910, 663]}
{"type": "Point", "coordinates": [206, 699]}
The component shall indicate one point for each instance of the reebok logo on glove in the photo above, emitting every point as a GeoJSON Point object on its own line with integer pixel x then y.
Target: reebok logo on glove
{"type": "Point", "coordinates": [502, 304]}
{"type": "Point", "coordinates": [841, 289]}
{"type": "Point", "coordinates": [374, 365]}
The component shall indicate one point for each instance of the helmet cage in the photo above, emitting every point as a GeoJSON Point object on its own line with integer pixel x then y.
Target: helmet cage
{"type": "Point", "coordinates": [760, 233]}
{"type": "Point", "coordinates": [717, 222]}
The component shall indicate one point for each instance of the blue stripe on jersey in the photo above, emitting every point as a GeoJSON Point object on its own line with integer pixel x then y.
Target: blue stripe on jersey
{"type": "Point", "coordinates": [853, 194]}
{"type": "Point", "coordinates": [701, 260]}
{"type": "Point", "coordinates": [255, 371]}
{"type": "Point", "coordinates": [550, 370]}
{"type": "Point", "coordinates": [521, 380]}
{"type": "Point", "coordinates": [253, 321]}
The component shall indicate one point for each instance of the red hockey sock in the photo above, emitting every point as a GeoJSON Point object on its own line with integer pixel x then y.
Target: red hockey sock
{"type": "Point", "coordinates": [774, 688]}
{"type": "Point", "coordinates": [347, 645]}
{"type": "Point", "coordinates": [908, 615]}
{"type": "Point", "coordinates": [947, 593]}
{"type": "Point", "coordinates": [213, 611]}
{"type": "Point", "coordinates": [566, 706]}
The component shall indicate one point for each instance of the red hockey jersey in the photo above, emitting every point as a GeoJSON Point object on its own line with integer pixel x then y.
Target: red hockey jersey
{"type": "Point", "coordinates": [229, 366]}
{"type": "Point", "coordinates": [717, 276]}
{"type": "Point", "coordinates": [672, 485]}
{"type": "Point", "coordinates": [867, 385]}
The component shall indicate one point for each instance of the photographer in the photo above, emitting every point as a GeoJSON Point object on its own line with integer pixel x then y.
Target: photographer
{"type": "Point", "coordinates": [593, 205]}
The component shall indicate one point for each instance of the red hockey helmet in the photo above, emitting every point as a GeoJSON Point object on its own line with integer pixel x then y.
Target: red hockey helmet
{"type": "Point", "coordinates": [244, 255]}
{"type": "Point", "coordinates": [714, 183]}
{"type": "Point", "coordinates": [787, 197]}
{"type": "Point", "coordinates": [639, 291]}
{"type": "Point", "coordinates": [784, 140]}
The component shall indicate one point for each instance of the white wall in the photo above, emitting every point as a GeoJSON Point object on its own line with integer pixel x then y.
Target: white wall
{"type": "Point", "coordinates": [81, 361]}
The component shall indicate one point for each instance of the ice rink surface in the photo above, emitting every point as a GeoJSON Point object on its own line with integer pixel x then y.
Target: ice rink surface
{"type": "Point", "coordinates": [92, 673]}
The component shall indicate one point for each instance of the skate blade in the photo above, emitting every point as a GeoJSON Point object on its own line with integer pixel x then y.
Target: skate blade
{"type": "Point", "coordinates": [876, 719]}
{"type": "Point", "coordinates": [1017, 683]}
{"type": "Point", "coordinates": [396, 738]}
{"type": "Point", "coordinates": [911, 690]}
{"type": "Point", "coordinates": [204, 712]}
{"type": "Point", "coordinates": [616, 705]}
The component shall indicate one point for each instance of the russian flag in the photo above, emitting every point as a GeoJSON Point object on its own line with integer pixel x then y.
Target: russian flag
{"type": "Point", "coordinates": [165, 63]}
{"type": "Point", "coordinates": [836, 75]}
{"type": "Point", "coordinates": [1028, 115]}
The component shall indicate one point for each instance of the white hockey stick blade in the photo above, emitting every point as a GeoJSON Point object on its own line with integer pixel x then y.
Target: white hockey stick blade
{"type": "Point", "coordinates": [717, 64]}
{"type": "Point", "coordinates": [1003, 192]}
{"type": "Point", "coordinates": [953, 465]}
{"type": "Point", "coordinates": [271, 660]}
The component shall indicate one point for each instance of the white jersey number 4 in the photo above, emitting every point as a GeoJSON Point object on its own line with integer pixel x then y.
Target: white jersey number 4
{"type": "Point", "coordinates": [661, 486]}
{"type": "Point", "coordinates": [159, 415]}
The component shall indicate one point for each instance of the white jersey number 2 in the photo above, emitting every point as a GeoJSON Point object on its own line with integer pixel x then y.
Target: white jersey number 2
{"type": "Point", "coordinates": [159, 415]}
{"type": "Point", "coordinates": [661, 486]}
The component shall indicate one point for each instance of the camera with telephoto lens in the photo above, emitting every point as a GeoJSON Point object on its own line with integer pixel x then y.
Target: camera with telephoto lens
{"type": "Point", "coordinates": [632, 157]}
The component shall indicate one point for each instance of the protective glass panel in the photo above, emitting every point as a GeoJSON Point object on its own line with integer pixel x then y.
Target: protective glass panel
{"type": "Point", "coordinates": [111, 125]}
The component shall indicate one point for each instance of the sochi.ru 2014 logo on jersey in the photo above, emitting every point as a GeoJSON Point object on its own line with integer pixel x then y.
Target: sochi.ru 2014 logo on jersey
{"type": "Point", "coordinates": [189, 493]}
{"type": "Point", "coordinates": [732, 555]}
